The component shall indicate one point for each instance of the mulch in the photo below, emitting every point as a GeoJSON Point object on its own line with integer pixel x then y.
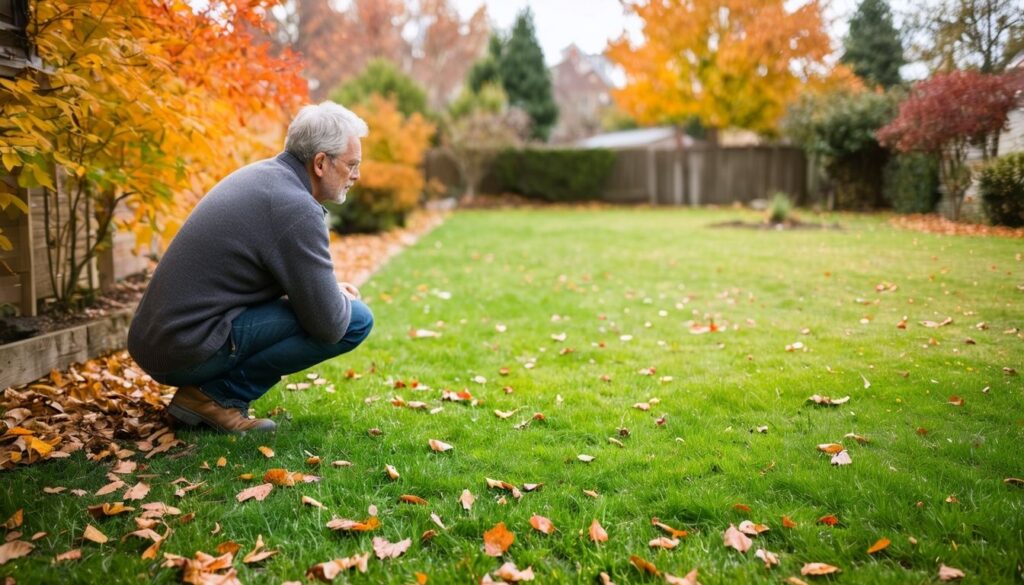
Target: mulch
{"type": "Point", "coordinates": [936, 224]}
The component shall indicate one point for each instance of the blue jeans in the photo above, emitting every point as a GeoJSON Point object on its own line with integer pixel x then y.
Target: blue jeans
{"type": "Point", "coordinates": [266, 342]}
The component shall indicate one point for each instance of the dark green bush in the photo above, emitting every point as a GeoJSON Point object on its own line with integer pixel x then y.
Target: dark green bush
{"type": "Point", "coordinates": [911, 183]}
{"type": "Point", "coordinates": [554, 175]}
{"type": "Point", "coordinates": [1002, 190]}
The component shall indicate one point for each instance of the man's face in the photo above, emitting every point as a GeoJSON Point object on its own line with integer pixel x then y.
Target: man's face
{"type": "Point", "coordinates": [341, 172]}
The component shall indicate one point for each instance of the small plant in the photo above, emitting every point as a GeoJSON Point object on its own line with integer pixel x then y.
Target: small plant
{"type": "Point", "coordinates": [1002, 190]}
{"type": "Point", "coordinates": [780, 208]}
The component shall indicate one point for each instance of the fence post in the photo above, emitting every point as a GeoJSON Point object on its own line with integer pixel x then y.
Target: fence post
{"type": "Point", "coordinates": [27, 263]}
{"type": "Point", "coordinates": [677, 178]}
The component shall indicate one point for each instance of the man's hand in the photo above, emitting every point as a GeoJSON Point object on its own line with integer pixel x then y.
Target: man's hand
{"type": "Point", "coordinates": [349, 290]}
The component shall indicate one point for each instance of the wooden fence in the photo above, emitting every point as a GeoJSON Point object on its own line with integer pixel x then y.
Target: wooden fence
{"type": "Point", "coordinates": [699, 175]}
{"type": "Point", "coordinates": [25, 271]}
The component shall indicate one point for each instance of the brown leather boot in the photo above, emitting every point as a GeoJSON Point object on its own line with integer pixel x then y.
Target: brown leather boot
{"type": "Point", "coordinates": [192, 407]}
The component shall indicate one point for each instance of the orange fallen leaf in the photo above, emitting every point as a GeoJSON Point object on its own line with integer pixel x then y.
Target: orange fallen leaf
{"type": "Point", "coordinates": [818, 569]}
{"type": "Point", "coordinates": [15, 520]}
{"type": "Point", "coordinates": [137, 492]}
{"type": "Point", "coordinates": [956, 400]}
{"type": "Point", "coordinates": [259, 492]}
{"type": "Point", "coordinates": [510, 573]}
{"type": "Point", "coordinates": [267, 451]}
{"type": "Point", "coordinates": [673, 532]}
{"type": "Point", "coordinates": [391, 472]}
{"type": "Point", "coordinates": [14, 550]}
{"type": "Point", "coordinates": [283, 477]}
{"type": "Point", "coordinates": [110, 488]}
{"type": "Point", "coordinates": [689, 579]}
{"type": "Point", "coordinates": [880, 544]}
{"type": "Point", "coordinates": [733, 538]}
{"type": "Point", "coordinates": [644, 566]}
{"type": "Point", "coordinates": [950, 573]}
{"type": "Point", "coordinates": [228, 547]}
{"type": "Point", "coordinates": [71, 555]}
{"type": "Point", "coordinates": [830, 520]}
{"type": "Point", "coordinates": [346, 525]}
{"type": "Point", "coordinates": [258, 554]}
{"type": "Point", "coordinates": [787, 523]}
{"type": "Point", "coordinates": [497, 540]}
{"type": "Point", "coordinates": [597, 532]}
{"type": "Point", "coordinates": [93, 534]}
{"type": "Point", "coordinates": [103, 510]}
{"type": "Point", "coordinates": [830, 448]}
{"type": "Point", "coordinates": [751, 529]}
{"type": "Point", "coordinates": [222, 461]}
{"type": "Point", "coordinates": [390, 550]}
{"type": "Point", "coordinates": [741, 507]}
{"type": "Point", "coordinates": [311, 502]}
{"type": "Point", "coordinates": [542, 524]}
{"type": "Point", "coordinates": [411, 499]}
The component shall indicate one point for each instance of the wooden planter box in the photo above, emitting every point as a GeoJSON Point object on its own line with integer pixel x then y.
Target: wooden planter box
{"type": "Point", "coordinates": [27, 360]}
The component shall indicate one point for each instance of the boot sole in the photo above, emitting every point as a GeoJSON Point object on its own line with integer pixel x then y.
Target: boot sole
{"type": "Point", "coordinates": [193, 419]}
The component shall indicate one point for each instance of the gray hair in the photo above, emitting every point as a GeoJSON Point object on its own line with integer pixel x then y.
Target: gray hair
{"type": "Point", "coordinates": [326, 127]}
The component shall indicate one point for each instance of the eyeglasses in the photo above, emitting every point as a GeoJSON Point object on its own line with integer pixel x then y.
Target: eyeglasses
{"type": "Point", "coordinates": [353, 167]}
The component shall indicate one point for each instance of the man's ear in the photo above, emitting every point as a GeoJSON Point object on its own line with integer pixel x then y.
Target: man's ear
{"type": "Point", "coordinates": [320, 164]}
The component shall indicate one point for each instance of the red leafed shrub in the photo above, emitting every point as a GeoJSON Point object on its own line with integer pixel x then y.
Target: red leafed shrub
{"type": "Point", "coordinates": [948, 113]}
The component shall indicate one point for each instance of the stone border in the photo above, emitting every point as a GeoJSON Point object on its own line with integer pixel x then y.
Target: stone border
{"type": "Point", "coordinates": [27, 360]}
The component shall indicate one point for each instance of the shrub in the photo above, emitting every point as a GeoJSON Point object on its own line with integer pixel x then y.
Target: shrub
{"type": "Point", "coordinates": [911, 183]}
{"type": "Point", "coordinates": [390, 183]}
{"type": "Point", "coordinates": [1002, 190]}
{"type": "Point", "coordinates": [555, 175]}
{"type": "Point", "coordinates": [780, 208]}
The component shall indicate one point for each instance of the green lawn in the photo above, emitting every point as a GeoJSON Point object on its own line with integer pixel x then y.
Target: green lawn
{"type": "Point", "coordinates": [597, 276]}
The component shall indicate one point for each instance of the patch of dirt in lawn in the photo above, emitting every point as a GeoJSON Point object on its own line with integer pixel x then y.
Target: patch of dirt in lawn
{"type": "Point", "coordinates": [776, 226]}
{"type": "Point", "coordinates": [936, 224]}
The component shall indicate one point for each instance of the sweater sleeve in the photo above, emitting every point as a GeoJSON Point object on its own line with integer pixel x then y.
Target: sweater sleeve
{"type": "Point", "coordinates": [300, 260]}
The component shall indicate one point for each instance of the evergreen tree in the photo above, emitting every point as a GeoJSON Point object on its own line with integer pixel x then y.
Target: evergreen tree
{"type": "Point", "coordinates": [525, 77]}
{"type": "Point", "coordinates": [485, 71]}
{"type": "Point", "coordinates": [873, 48]}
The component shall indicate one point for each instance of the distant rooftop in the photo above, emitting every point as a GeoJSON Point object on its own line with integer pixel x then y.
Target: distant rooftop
{"type": "Point", "coordinates": [641, 137]}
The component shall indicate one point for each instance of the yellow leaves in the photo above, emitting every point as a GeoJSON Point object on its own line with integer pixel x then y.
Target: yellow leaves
{"type": "Point", "coordinates": [830, 448]}
{"type": "Point", "coordinates": [103, 510]}
{"type": "Point", "coordinates": [94, 535]}
{"type": "Point", "coordinates": [542, 524]}
{"type": "Point", "coordinates": [267, 451]}
{"type": "Point", "coordinates": [285, 478]}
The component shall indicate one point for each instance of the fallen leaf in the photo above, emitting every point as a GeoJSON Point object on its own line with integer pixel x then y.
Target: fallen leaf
{"type": "Point", "coordinates": [751, 529]}
{"type": "Point", "coordinates": [439, 446]}
{"type": "Point", "coordinates": [741, 507]}
{"type": "Point", "coordinates": [228, 547]}
{"type": "Point", "coordinates": [934, 324]}
{"type": "Point", "coordinates": [591, 493]}
{"type": "Point", "coordinates": [283, 477]}
{"type": "Point", "coordinates": [346, 525]}
{"type": "Point", "coordinates": [597, 532]}
{"type": "Point", "coordinates": [110, 488]}
{"type": "Point", "coordinates": [497, 540]}
{"type": "Point", "coordinates": [136, 492]}
{"type": "Point", "coordinates": [950, 573]}
{"type": "Point", "coordinates": [258, 492]}
{"type": "Point", "coordinates": [664, 542]}
{"type": "Point", "coordinates": [15, 520]}
{"type": "Point", "coordinates": [71, 555]}
{"type": "Point", "coordinates": [830, 448]}
{"type": "Point", "coordinates": [311, 502]}
{"type": "Point", "coordinates": [267, 451]}
{"type": "Point", "coordinates": [644, 566]}
{"type": "Point", "coordinates": [956, 400]}
{"type": "Point", "coordinates": [542, 524]}
{"type": "Point", "coordinates": [880, 544]}
{"type": "Point", "coordinates": [585, 458]}
{"type": "Point", "coordinates": [222, 461]}
{"type": "Point", "coordinates": [827, 401]}
{"type": "Point", "coordinates": [733, 538]}
{"type": "Point", "coordinates": [411, 499]}
{"type": "Point", "coordinates": [341, 463]}
{"type": "Point", "coordinates": [14, 550]}
{"type": "Point", "coordinates": [93, 534]}
{"type": "Point", "coordinates": [509, 572]}
{"type": "Point", "coordinates": [100, 511]}
{"type": "Point", "coordinates": [673, 532]}
{"type": "Point", "coordinates": [842, 458]}
{"type": "Point", "coordinates": [145, 533]}
{"type": "Point", "coordinates": [787, 523]}
{"type": "Point", "coordinates": [689, 579]}
{"type": "Point", "coordinates": [467, 499]}
{"type": "Point", "coordinates": [328, 571]}
{"type": "Point", "coordinates": [770, 559]}
{"type": "Point", "coordinates": [795, 581]}
{"type": "Point", "coordinates": [1014, 481]}
{"type": "Point", "coordinates": [391, 472]}
{"type": "Point", "coordinates": [830, 520]}
{"type": "Point", "coordinates": [390, 550]}
{"type": "Point", "coordinates": [818, 569]}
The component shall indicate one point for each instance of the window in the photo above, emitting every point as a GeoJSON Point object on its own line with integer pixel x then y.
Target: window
{"type": "Point", "coordinates": [16, 51]}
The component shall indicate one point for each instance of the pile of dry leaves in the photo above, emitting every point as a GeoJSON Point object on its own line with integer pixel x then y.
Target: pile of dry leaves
{"type": "Point", "coordinates": [936, 224]}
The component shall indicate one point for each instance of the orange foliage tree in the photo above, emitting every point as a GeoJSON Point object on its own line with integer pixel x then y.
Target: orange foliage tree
{"type": "Point", "coordinates": [725, 63]}
{"type": "Point", "coordinates": [391, 181]}
{"type": "Point", "coordinates": [146, 104]}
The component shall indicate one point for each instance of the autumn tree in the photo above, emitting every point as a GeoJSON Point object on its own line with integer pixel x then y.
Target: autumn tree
{"type": "Point", "coordinates": [147, 104]}
{"type": "Point", "coordinates": [429, 41]}
{"type": "Point", "coordinates": [381, 77]}
{"type": "Point", "coordinates": [944, 115]}
{"type": "Point", "coordinates": [873, 48]}
{"type": "Point", "coordinates": [985, 35]}
{"type": "Point", "coordinates": [726, 63]}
